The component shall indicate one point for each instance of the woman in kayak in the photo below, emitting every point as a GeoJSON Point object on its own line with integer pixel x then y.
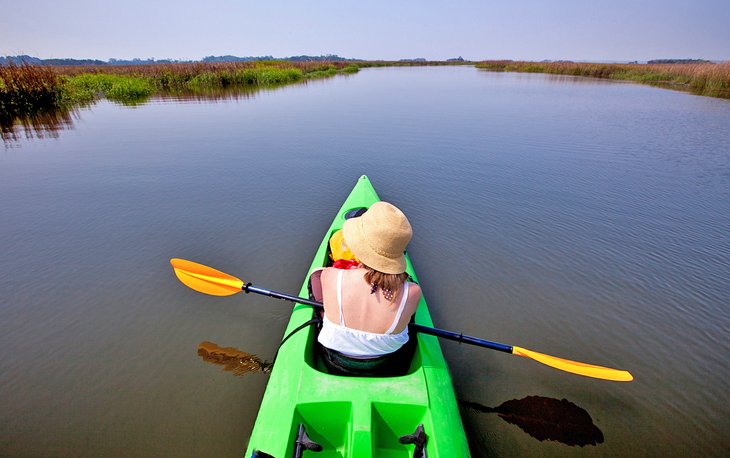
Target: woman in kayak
{"type": "Point", "coordinates": [367, 309]}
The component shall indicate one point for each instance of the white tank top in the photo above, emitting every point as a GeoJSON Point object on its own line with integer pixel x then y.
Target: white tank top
{"type": "Point", "coordinates": [362, 344]}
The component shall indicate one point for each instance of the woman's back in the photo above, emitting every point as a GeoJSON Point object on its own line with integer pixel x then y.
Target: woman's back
{"type": "Point", "coordinates": [367, 309]}
{"type": "Point", "coordinates": [362, 310]}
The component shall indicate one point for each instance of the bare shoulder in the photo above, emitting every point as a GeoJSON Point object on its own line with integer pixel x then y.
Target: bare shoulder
{"type": "Point", "coordinates": [414, 289]}
{"type": "Point", "coordinates": [414, 295]}
{"type": "Point", "coordinates": [328, 282]}
{"type": "Point", "coordinates": [328, 273]}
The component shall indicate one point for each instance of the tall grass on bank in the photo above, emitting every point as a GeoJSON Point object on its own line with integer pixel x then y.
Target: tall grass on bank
{"type": "Point", "coordinates": [210, 75]}
{"type": "Point", "coordinates": [258, 76]}
{"type": "Point", "coordinates": [86, 88]}
{"type": "Point", "coordinates": [27, 86]}
{"type": "Point", "coordinates": [27, 89]}
{"type": "Point", "coordinates": [703, 79]}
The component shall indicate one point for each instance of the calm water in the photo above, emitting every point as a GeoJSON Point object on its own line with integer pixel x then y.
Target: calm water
{"type": "Point", "coordinates": [585, 219]}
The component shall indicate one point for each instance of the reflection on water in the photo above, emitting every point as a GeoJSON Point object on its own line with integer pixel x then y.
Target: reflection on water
{"type": "Point", "coordinates": [547, 419]}
{"type": "Point", "coordinates": [233, 360]}
{"type": "Point", "coordinates": [213, 94]}
{"type": "Point", "coordinates": [48, 124]}
{"type": "Point", "coordinates": [45, 124]}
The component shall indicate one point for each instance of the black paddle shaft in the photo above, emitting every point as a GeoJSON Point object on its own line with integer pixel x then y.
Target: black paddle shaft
{"type": "Point", "coordinates": [458, 337]}
{"type": "Point", "coordinates": [249, 288]}
{"type": "Point", "coordinates": [448, 335]}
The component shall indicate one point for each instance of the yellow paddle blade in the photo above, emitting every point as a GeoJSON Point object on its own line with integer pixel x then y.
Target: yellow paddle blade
{"type": "Point", "coordinates": [206, 279]}
{"type": "Point", "coordinates": [588, 370]}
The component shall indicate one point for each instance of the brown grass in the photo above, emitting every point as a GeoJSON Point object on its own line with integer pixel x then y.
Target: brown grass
{"type": "Point", "coordinates": [25, 89]}
{"type": "Point", "coordinates": [192, 69]}
{"type": "Point", "coordinates": [708, 79]}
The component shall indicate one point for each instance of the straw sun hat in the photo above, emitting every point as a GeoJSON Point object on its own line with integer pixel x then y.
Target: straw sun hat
{"type": "Point", "coordinates": [379, 237]}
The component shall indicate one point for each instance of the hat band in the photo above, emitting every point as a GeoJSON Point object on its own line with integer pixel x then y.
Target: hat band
{"type": "Point", "coordinates": [374, 248]}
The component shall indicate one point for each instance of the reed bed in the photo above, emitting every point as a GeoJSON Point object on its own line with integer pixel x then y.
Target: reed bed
{"type": "Point", "coordinates": [144, 80]}
{"type": "Point", "coordinates": [87, 87]}
{"type": "Point", "coordinates": [202, 74]}
{"type": "Point", "coordinates": [26, 90]}
{"type": "Point", "coordinates": [708, 79]}
{"type": "Point", "coordinates": [130, 82]}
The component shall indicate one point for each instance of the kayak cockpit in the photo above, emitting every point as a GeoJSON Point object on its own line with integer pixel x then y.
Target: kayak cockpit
{"type": "Point", "coordinates": [405, 361]}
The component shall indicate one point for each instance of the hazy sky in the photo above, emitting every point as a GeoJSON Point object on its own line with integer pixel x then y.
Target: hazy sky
{"type": "Point", "coordinates": [368, 29]}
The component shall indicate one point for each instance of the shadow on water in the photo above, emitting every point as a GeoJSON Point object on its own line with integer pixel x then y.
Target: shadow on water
{"type": "Point", "coordinates": [546, 419]}
{"type": "Point", "coordinates": [233, 360]}
{"type": "Point", "coordinates": [541, 417]}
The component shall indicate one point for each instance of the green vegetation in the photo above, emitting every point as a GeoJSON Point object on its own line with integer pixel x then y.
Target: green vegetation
{"type": "Point", "coordinates": [87, 87]}
{"type": "Point", "coordinates": [351, 69]}
{"type": "Point", "coordinates": [26, 90]}
{"type": "Point", "coordinates": [258, 76]}
{"type": "Point", "coordinates": [322, 72]}
{"type": "Point", "coordinates": [32, 91]}
{"type": "Point", "coordinates": [699, 78]}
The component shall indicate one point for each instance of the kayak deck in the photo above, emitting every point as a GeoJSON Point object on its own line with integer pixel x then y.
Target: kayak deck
{"type": "Point", "coordinates": [356, 416]}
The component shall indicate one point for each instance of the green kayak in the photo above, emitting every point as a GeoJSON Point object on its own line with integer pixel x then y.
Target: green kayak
{"type": "Point", "coordinates": [412, 415]}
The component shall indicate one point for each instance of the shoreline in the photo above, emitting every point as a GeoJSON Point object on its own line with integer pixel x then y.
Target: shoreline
{"type": "Point", "coordinates": [32, 93]}
{"type": "Point", "coordinates": [707, 79]}
{"type": "Point", "coordinates": [28, 90]}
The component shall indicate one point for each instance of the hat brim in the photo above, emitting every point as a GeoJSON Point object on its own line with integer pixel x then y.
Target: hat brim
{"type": "Point", "coordinates": [353, 234]}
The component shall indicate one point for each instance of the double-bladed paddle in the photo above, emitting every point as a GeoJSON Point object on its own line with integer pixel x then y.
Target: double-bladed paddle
{"type": "Point", "coordinates": [208, 280]}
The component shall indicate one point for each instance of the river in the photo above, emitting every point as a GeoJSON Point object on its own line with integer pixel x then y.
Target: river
{"type": "Point", "coordinates": [582, 218]}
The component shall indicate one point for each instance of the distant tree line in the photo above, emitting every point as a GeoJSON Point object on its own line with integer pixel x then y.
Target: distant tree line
{"type": "Point", "coordinates": [24, 59]}
{"type": "Point", "coordinates": [423, 59]}
{"type": "Point", "coordinates": [323, 58]}
{"type": "Point", "coordinates": [679, 61]}
{"type": "Point", "coordinates": [20, 59]}
{"type": "Point", "coordinates": [17, 60]}
{"type": "Point", "coordinates": [216, 59]}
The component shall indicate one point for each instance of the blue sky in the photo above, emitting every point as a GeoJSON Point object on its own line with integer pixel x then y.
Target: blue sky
{"type": "Point", "coordinates": [371, 29]}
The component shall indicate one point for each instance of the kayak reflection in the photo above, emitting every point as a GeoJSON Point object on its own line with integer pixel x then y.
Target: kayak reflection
{"type": "Point", "coordinates": [547, 419]}
{"type": "Point", "coordinates": [233, 360]}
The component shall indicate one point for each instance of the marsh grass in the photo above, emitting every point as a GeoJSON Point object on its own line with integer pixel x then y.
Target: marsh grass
{"type": "Point", "coordinates": [351, 69]}
{"type": "Point", "coordinates": [26, 90]}
{"type": "Point", "coordinates": [322, 73]}
{"type": "Point", "coordinates": [48, 85]}
{"type": "Point", "coordinates": [85, 88]}
{"type": "Point", "coordinates": [702, 79]}
{"type": "Point", "coordinates": [256, 76]}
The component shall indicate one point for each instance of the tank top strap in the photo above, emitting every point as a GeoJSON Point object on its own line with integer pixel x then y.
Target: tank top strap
{"type": "Point", "coordinates": [400, 310]}
{"type": "Point", "coordinates": [339, 295]}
